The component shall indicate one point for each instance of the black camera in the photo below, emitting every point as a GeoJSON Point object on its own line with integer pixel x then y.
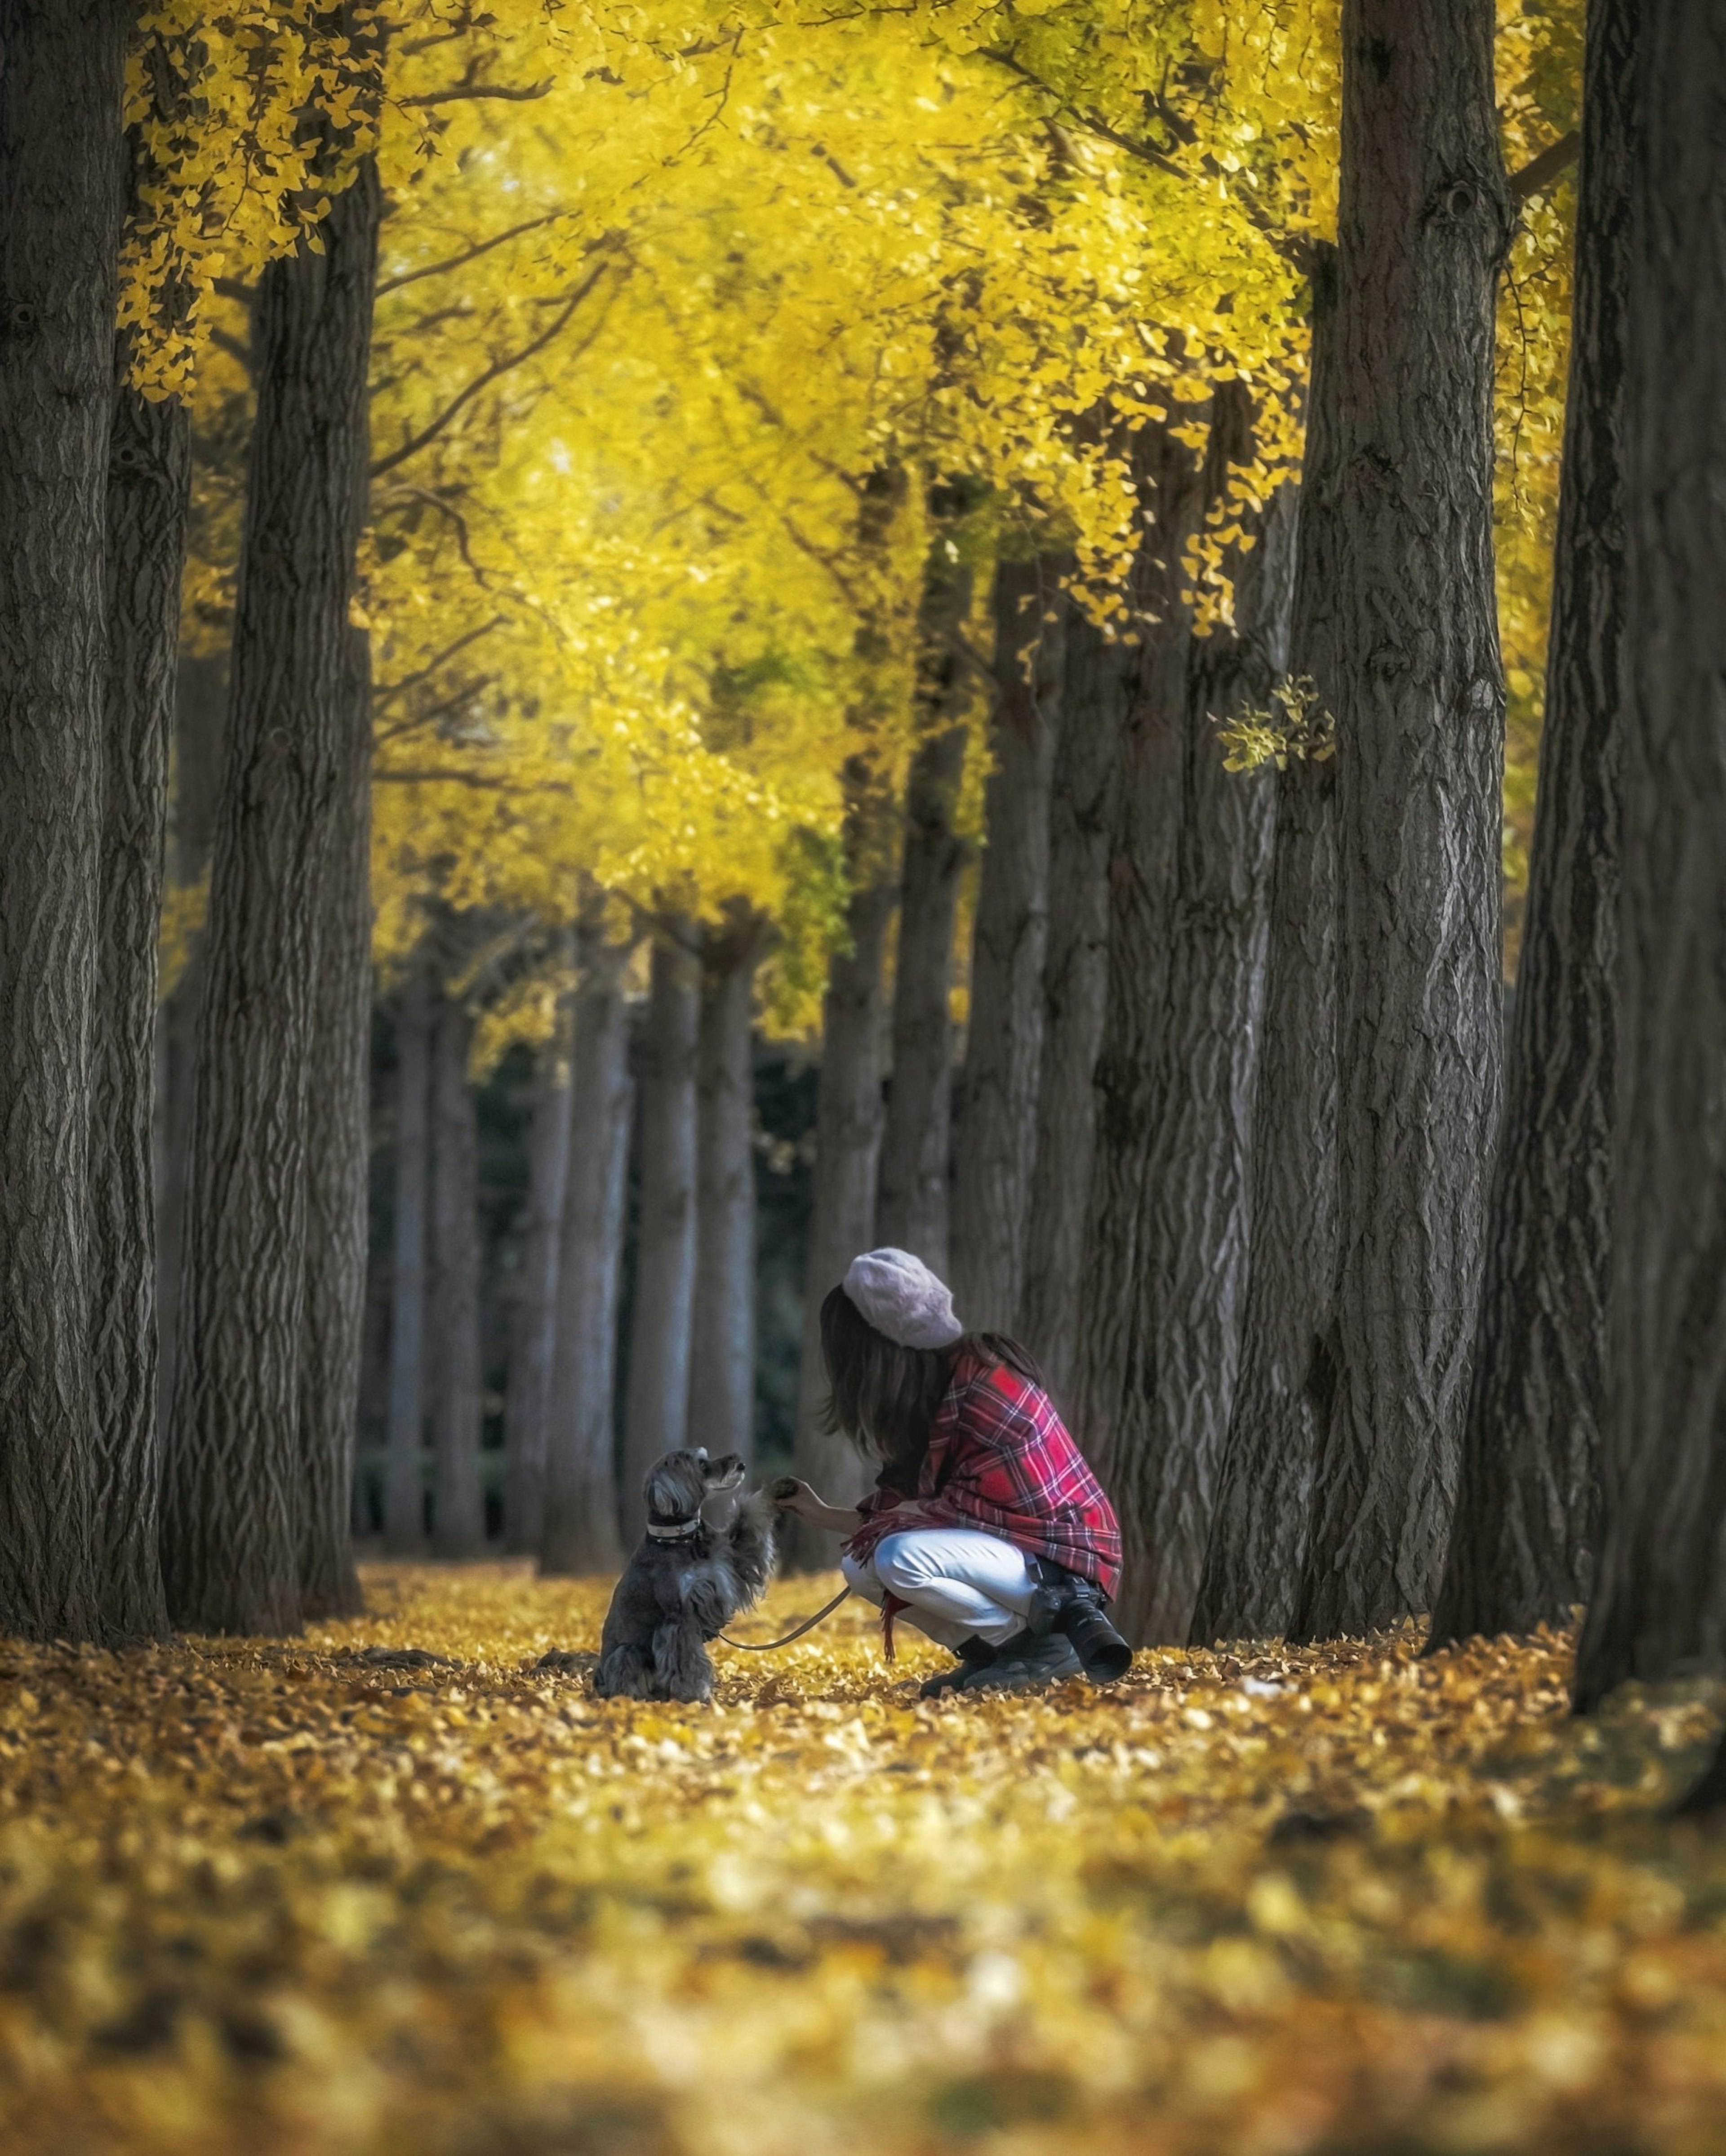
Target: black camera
{"type": "Point", "coordinates": [1064, 1603]}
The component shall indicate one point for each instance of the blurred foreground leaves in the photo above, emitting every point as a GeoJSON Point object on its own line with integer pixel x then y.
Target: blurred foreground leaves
{"type": "Point", "coordinates": [331, 1897]}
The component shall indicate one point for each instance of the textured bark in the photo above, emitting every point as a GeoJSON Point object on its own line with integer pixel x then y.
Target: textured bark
{"type": "Point", "coordinates": [534, 1348]}
{"type": "Point", "coordinates": [1403, 544]}
{"type": "Point", "coordinates": [1189, 878]}
{"type": "Point", "coordinates": [656, 1416]}
{"type": "Point", "coordinates": [1659, 1608]}
{"type": "Point", "coordinates": [338, 1162]}
{"type": "Point", "coordinates": [1288, 1369]}
{"type": "Point", "coordinates": [60, 93]}
{"type": "Point", "coordinates": [200, 720]}
{"type": "Point", "coordinates": [916, 1140]}
{"type": "Point", "coordinates": [458, 1509]}
{"type": "Point", "coordinates": [404, 1504]}
{"type": "Point", "coordinates": [722, 1354]}
{"type": "Point", "coordinates": [233, 1510]}
{"type": "Point", "coordinates": [1523, 1541]}
{"type": "Point", "coordinates": [149, 473]}
{"type": "Point", "coordinates": [995, 1144]}
{"type": "Point", "coordinates": [1095, 679]}
{"type": "Point", "coordinates": [581, 1471]}
{"type": "Point", "coordinates": [847, 1140]}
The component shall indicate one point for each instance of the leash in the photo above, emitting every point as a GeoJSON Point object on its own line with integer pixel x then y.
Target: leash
{"type": "Point", "coordinates": [808, 1625]}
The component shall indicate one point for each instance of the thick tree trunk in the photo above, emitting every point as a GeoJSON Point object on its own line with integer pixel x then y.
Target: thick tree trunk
{"type": "Point", "coordinates": [60, 96]}
{"type": "Point", "coordinates": [200, 721]}
{"type": "Point", "coordinates": [233, 1510]}
{"type": "Point", "coordinates": [1094, 685]}
{"type": "Point", "coordinates": [458, 1505]}
{"type": "Point", "coordinates": [847, 1141]}
{"type": "Point", "coordinates": [1404, 543]}
{"type": "Point", "coordinates": [149, 475]}
{"type": "Point", "coordinates": [581, 1510]}
{"type": "Point", "coordinates": [722, 1356]}
{"type": "Point", "coordinates": [534, 1347]}
{"type": "Point", "coordinates": [995, 1146]}
{"type": "Point", "coordinates": [404, 1503]}
{"type": "Point", "coordinates": [1659, 1608]}
{"type": "Point", "coordinates": [338, 1168]}
{"type": "Point", "coordinates": [656, 1417]}
{"type": "Point", "coordinates": [1523, 1541]}
{"type": "Point", "coordinates": [916, 1141]}
{"type": "Point", "coordinates": [1289, 1348]}
{"type": "Point", "coordinates": [1189, 874]}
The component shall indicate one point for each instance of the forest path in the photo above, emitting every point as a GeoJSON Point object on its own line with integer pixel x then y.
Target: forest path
{"type": "Point", "coordinates": [285, 1898]}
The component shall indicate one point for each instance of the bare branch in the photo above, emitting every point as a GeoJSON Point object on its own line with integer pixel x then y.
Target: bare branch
{"type": "Point", "coordinates": [468, 254]}
{"type": "Point", "coordinates": [478, 780]}
{"type": "Point", "coordinates": [1539, 172]}
{"type": "Point", "coordinates": [430, 716]}
{"type": "Point", "coordinates": [505, 91]}
{"type": "Point", "coordinates": [387, 694]}
{"type": "Point", "coordinates": [398, 496]}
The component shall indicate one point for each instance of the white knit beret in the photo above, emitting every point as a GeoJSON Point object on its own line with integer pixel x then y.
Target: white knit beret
{"type": "Point", "coordinates": [900, 1296]}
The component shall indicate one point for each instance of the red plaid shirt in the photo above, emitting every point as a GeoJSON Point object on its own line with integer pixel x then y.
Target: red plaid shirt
{"type": "Point", "coordinates": [1000, 1460]}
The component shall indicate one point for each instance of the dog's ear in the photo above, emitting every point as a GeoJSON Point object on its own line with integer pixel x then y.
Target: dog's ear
{"type": "Point", "coordinates": [675, 1486]}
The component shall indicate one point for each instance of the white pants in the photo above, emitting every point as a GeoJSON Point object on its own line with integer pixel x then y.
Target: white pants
{"type": "Point", "coordinates": [959, 1583]}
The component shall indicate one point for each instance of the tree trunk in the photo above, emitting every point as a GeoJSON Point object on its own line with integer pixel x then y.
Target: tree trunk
{"type": "Point", "coordinates": [234, 1510]}
{"type": "Point", "coordinates": [457, 1506]}
{"type": "Point", "coordinates": [1659, 1609]}
{"type": "Point", "coordinates": [722, 1357]}
{"type": "Point", "coordinates": [1288, 1348]}
{"type": "Point", "coordinates": [1403, 545]}
{"type": "Point", "coordinates": [995, 1147]}
{"type": "Point", "coordinates": [916, 1141]}
{"type": "Point", "coordinates": [1523, 1542]}
{"type": "Point", "coordinates": [149, 473]}
{"type": "Point", "coordinates": [1094, 685]}
{"type": "Point", "coordinates": [656, 1417]}
{"type": "Point", "coordinates": [338, 1163]}
{"type": "Point", "coordinates": [200, 718]}
{"type": "Point", "coordinates": [534, 1348]}
{"type": "Point", "coordinates": [1189, 877]}
{"type": "Point", "coordinates": [581, 1471]}
{"type": "Point", "coordinates": [60, 98]}
{"type": "Point", "coordinates": [847, 1140]}
{"type": "Point", "coordinates": [404, 1504]}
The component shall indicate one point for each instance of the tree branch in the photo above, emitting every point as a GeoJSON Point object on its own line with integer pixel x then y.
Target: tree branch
{"type": "Point", "coordinates": [1539, 172]}
{"type": "Point", "coordinates": [458, 261]}
{"type": "Point", "coordinates": [498, 89]}
{"type": "Point", "coordinates": [476, 779]}
{"type": "Point", "coordinates": [390, 691]}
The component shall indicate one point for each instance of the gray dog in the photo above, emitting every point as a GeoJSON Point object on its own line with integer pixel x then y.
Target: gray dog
{"type": "Point", "coordinates": [707, 1556]}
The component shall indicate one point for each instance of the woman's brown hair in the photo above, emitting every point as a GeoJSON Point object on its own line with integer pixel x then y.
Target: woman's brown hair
{"type": "Point", "coordinates": [884, 1397]}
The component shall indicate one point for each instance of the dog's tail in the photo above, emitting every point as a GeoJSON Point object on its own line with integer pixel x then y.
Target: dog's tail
{"type": "Point", "coordinates": [754, 1551]}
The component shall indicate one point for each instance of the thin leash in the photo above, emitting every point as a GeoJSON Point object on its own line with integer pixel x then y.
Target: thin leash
{"type": "Point", "coordinates": [808, 1625]}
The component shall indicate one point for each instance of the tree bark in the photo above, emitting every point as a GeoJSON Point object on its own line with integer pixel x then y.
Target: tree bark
{"type": "Point", "coordinates": [1523, 1541]}
{"type": "Point", "coordinates": [1189, 875]}
{"type": "Point", "coordinates": [60, 175]}
{"type": "Point", "coordinates": [581, 1510]}
{"type": "Point", "coordinates": [404, 1507]}
{"type": "Point", "coordinates": [847, 1141]}
{"type": "Point", "coordinates": [1404, 543]}
{"type": "Point", "coordinates": [916, 1140]}
{"type": "Point", "coordinates": [1659, 1609]}
{"type": "Point", "coordinates": [234, 1513]}
{"type": "Point", "coordinates": [149, 475]}
{"type": "Point", "coordinates": [722, 1356]}
{"type": "Point", "coordinates": [200, 717]}
{"type": "Point", "coordinates": [534, 1348]}
{"type": "Point", "coordinates": [656, 1417]}
{"type": "Point", "coordinates": [1095, 679]}
{"type": "Point", "coordinates": [457, 1506]}
{"type": "Point", "coordinates": [338, 1163]}
{"type": "Point", "coordinates": [1289, 1345]}
{"type": "Point", "coordinates": [995, 1145]}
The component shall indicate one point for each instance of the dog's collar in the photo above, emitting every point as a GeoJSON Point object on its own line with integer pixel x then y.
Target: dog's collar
{"type": "Point", "coordinates": [676, 1531]}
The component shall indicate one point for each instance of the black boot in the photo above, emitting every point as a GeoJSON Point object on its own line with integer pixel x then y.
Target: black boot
{"type": "Point", "coordinates": [1025, 1662]}
{"type": "Point", "coordinates": [974, 1655]}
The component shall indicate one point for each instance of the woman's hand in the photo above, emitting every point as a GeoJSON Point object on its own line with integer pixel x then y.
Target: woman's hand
{"type": "Point", "coordinates": [800, 1502]}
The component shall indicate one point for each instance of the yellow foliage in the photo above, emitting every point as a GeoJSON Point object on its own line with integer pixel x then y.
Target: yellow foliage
{"type": "Point", "coordinates": [296, 1897]}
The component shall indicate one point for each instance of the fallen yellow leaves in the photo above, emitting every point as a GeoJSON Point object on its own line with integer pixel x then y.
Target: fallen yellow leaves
{"type": "Point", "coordinates": [389, 1888]}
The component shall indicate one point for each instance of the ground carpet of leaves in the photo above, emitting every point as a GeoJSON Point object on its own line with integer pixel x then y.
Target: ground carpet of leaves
{"type": "Point", "coordinates": [337, 1897]}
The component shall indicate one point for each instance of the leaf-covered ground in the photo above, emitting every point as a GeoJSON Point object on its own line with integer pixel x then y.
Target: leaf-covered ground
{"type": "Point", "coordinates": [308, 1898]}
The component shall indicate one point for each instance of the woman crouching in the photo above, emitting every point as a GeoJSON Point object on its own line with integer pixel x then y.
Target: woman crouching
{"type": "Point", "coordinates": [986, 1526]}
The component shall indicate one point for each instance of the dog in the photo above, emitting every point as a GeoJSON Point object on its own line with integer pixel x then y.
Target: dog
{"type": "Point", "coordinates": [707, 1557]}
